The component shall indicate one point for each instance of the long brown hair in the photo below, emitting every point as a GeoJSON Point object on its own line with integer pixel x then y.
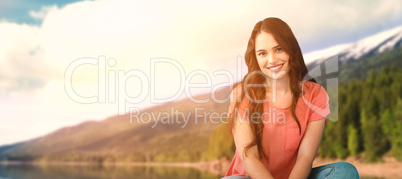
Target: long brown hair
{"type": "Point", "coordinates": [297, 71]}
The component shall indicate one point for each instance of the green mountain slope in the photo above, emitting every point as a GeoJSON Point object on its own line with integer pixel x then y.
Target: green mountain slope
{"type": "Point", "coordinates": [360, 68]}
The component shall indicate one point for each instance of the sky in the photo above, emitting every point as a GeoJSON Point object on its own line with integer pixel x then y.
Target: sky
{"type": "Point", "coordinates": [65, 62]}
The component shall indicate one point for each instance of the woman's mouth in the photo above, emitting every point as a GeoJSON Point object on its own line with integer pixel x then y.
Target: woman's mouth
{"type": "Point", "coordinates": [275, 68]}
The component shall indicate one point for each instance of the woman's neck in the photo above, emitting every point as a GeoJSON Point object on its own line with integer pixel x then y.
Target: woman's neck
{"type": "Point", "coordinates": [279, 86]}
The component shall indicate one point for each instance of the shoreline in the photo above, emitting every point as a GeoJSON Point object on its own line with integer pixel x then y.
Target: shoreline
{"type": "Point", "coordinates": [64, 163]}
{"type": "Point", "coordinates": [216, 167]}
{"type": "Point", "coordinates": [387, 168]}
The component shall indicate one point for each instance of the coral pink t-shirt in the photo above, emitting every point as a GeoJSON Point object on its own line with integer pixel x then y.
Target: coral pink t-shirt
{"type": "Point", "coordinates": [281, 137]}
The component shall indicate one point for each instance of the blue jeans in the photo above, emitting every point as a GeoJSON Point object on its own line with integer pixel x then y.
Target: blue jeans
{"type": "Point", "coordinates": [330, 171]}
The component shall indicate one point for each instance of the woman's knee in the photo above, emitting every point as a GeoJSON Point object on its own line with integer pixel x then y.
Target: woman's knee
{"type": "Point", "coordinates": [346, 169]}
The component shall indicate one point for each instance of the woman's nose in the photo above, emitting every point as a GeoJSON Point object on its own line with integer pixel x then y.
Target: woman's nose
{"type": "Point", "coordinates": [272, 59]}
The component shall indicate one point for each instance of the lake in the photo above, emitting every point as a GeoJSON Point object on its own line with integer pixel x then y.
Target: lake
{"type": "Point", "coordinates": [99, 172]}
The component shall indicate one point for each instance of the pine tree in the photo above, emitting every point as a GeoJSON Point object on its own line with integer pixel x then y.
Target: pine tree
{"type": "Point", "coordinates": [353, 141]}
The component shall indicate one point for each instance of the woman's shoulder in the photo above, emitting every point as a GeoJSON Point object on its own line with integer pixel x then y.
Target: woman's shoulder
{"type": "Point", "coordinates": [235, 91]}
{"type": "Point", "coordinates": [315, 98]}
{"type": "Point", "coordinates": [237, 95]}
{"type": "Point", "coordinates": [310, 85]}
{"type": "Point", "coordinates": [310, 88]}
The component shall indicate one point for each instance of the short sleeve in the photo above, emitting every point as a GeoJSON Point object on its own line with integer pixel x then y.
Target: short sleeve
{"type": "Point", "coordinates": [318, 103]}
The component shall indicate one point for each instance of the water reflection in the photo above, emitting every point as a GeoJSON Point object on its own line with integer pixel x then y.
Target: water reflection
{"type": "Point", "coordinates": [99, 172]}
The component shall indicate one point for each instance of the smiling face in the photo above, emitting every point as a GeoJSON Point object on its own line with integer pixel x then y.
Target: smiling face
{"type": "Point", "coordinates": [272, 59]}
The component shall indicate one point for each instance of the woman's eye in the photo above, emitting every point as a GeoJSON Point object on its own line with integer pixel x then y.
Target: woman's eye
{"type": "Point", "coordinates": [278, 49]}
{"type": "Point", "coordinates": [261, 54]}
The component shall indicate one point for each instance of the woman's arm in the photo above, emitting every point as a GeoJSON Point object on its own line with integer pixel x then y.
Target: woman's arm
{"type": "Point", "coordinates": [308, 149]}
{"type": "Point", "coordinates": [242, 135]}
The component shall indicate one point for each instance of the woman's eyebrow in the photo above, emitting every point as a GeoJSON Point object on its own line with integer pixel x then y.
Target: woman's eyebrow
{"type": "Point", "coordinates": [276, 46]}
{"type": "Point", "coordinates": [261, 50]}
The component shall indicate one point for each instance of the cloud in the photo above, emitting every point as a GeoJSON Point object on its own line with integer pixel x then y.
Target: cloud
{"type": "Point", "coordinates": [320, 24]}
{"type": "Point", "coordinates": [22, 65]}
{"type": "Point", "coordinates": [40, 15]}
{"type": "Point", "coordinates": [197, 35]}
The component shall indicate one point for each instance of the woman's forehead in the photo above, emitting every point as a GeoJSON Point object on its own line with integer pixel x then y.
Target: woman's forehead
{"type": "Point", "coordinates": [265, 41]}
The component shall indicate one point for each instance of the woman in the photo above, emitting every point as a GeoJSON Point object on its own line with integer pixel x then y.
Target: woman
{"type": "Point", "coordinates": [276, 118]}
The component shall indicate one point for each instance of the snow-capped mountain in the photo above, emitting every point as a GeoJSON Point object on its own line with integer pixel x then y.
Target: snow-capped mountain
{"type": "Point", "coordinates": [368, 46]}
